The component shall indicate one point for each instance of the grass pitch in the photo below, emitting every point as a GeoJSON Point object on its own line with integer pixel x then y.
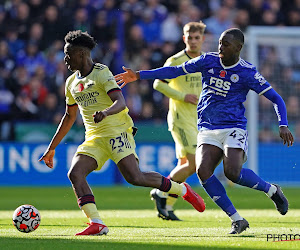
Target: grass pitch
{"type": "Point", "coordinates": [129, 214]}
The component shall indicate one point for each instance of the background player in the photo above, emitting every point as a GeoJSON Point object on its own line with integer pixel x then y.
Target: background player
{"type": "Point", "coordinates": [93, 89]}
{"type": "Point", "coordinates": [184, 93]}
{"type": "Point", "coordinates": [222, 133]}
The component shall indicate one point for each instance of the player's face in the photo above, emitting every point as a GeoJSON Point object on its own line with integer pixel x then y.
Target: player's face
{"type": "Point", "coordinates": [193, 41]}
{"type": "Point", "coordinates": [73, 57]}
{"type": "Point", "coordinates": [229, 48]}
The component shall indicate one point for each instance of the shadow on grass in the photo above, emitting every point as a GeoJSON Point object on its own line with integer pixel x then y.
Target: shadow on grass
{"type": "Point", "coordinates": [95, 243]}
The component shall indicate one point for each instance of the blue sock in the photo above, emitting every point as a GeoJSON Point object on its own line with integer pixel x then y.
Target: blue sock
{"type": "Point", "coordinates": [249, 179]}
{"type": "Point", "coordinates": [216, 191]}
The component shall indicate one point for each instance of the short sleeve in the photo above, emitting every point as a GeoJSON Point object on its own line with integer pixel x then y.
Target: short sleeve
{"type": "Point", "coordinates": [69, 98]}
{"type": "Point", "coordinates": [108, 80]}
{"type": "Point", "coordinates": [257, 82]}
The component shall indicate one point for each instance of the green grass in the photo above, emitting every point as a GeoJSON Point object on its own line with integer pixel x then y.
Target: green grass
{"type": "Point", "coordinates": [133, 224]}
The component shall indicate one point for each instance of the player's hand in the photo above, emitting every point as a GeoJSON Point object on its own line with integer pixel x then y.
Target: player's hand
{"type": "Point", "coordinates": [128, 76]}
{"type": "Point", "coordinates": [48, 158]}
{"type": "Point", "coordinates": [99, 116]}
{"type": "Point", "coordinates": [286, 136]}
{"type": "Point", "coordinates": [191, 98]}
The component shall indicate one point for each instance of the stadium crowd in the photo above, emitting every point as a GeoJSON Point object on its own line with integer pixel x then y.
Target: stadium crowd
{"type": "Point", "coordinates": [138, 34]}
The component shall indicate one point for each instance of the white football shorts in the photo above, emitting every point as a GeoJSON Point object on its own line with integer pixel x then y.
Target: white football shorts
{"type": "Point", "coordinates": [224, 138]}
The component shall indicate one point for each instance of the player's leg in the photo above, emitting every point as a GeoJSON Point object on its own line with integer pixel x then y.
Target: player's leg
{"type": "Point", "coordinates": [185, 143]}
{"type": "Point", "coordinates": [208, 158]}
{"type": "Point", "coordinates": [130, 170]}
{"type": "Point", "coordinates": [82, 165]}
{"type": "Point", "coordinates": [235, 154]}
{"type": "Point", "coordinates": [185, 168]}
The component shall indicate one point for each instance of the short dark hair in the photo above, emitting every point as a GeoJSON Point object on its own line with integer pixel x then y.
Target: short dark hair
{"type": "Point", "coordinates": [79, 38]}
{"type": "Point", "coordinates": [237, 34]}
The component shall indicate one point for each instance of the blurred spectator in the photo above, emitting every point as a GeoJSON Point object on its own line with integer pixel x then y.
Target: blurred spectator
{"type": "Point", "coordinates": [31, 58]}
{"type": "Point", "coordinates": [241, 19]}
{"type": "Point", "coordinates": [293, 108]}
{"type": "Point", "coordinates": [150, 27]}
{"type": "Point", "coordinates": [21, 20]}
{"type": "Point", "coordinates": [171, 29]}
{"type": "Point", "coordinates": [35, 90]}
{"type": "Point", "coordinates": [81, 21]}
{"type": "Point", "coordinates": [35, 35]}
{"type": "Point", "coordinates": [101, 30]}
{"type": "Point", "coordinates": [219, 22]}
{"type": "Point", "coordinates": [256, 9]}
{"type": "Point", "coordinates": [134, 101]}
{"type": "Point", "coordinates": [36, 9]}
{"type": "Point", "coordinates": [15, 44]}
{"type": "Point", "coordinates": [2, 21]}
{"type": "Point", "coordinates": [48, 111]}
{"type": "Point", "coordinates": [54, 27]}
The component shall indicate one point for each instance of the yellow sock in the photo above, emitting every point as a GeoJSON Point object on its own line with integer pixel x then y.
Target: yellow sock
{"type": "Point", "coordinates": [171, 201]}
{"type": "Point", "coordinates": [90, 211]}
{"type": "Point", "coordinates": [176, 188]}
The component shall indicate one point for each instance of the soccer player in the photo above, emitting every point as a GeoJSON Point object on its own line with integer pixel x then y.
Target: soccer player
{"type": "Point", "coordinates": [184, 92]}
{"type": "Point", "coordinates": [222, 135]}
{"type": "Point", "coordinates": [109, 131]}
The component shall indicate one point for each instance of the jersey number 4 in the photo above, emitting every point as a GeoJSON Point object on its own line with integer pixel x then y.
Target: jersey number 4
{"type": "Point", "coordinates": [238, 136]}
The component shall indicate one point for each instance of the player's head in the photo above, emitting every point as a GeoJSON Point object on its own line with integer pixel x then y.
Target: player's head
{"type": "Point", "coordinates": [78, 46]}
{"type": "Point", "coordinates": [193, 36]}
{"type": "Point", "coordinates": [230, 44]}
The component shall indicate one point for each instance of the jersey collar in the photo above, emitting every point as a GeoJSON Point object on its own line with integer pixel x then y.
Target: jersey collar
{"type": "Point", "coordinates": [81, 77]}
{"type": "Point", "coordinates": [231, 66]}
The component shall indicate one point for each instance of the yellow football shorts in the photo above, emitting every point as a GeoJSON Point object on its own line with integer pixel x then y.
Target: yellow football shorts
{"type": "Point", "coordinates": [104, 148]}
{"type": "Point", "coordinates": [185, 140]}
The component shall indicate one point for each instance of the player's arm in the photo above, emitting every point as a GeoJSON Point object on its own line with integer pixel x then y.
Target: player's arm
{"type": "Point", "coordinates": [118, 105]}
{"type": "Point", "coordinates": [63, 128]}
{"type": "Point", "coordinates": [168, 72]}
{"type": "Point", "coordinates": [281, 112]}
{"type": "Point", "coordinates": [163, 87]}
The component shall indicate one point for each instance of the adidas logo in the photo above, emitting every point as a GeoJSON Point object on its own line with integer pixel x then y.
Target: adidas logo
{"type": "Point", "coordinates": [120, 150]}
{"type": "Point", "coordinates": [215, 198]}
{"type": "Point", "coordinates": [211, 71]}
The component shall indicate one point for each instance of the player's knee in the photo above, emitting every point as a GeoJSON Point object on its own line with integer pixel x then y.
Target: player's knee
{"type": "Point", "coordinates": [232, 174]}
{"type": "Point", "coordinates": [203, 174]}
{"type": "Point", "coordinates": [73, 176]}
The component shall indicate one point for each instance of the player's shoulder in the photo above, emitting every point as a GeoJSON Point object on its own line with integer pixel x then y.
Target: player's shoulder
{"type": "Point", "coordinates": [177, 59]}
{"type": "Point", "coordinates": [70, 79]}
{"type": "Point", "coordinates": [179, 55]}
{"type": "Point", "coordinates": [100, 66]}
{"type": "Point", "coordinates": [210, 55]}
{"type": "Point", "coordinates": [243, 63]}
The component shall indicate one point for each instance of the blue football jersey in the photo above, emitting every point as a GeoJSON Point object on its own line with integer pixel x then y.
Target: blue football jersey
{"type": "Point", "coordinates": [224, 90]}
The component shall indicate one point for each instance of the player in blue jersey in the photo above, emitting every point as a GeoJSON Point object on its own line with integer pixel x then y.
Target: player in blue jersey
{"type": "Point", "coordinates": [226, 80]}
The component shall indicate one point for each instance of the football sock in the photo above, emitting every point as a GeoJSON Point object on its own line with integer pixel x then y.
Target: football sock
{"type": "Point", "coordinates": [87, 205]}
{"type": "Point", "coordinates": [272, 190]}
{"type": "Point", "coordinates": [165, 185]}
{"type": "Point", "coordinates": [90, 210]}
{"type": "Point", "coordinates": [236, 217]}
{"type": "Point", "coordinates": [170, 202]}
{"type": "Point", "coordinates": [217, 192]}
{"type": "Point", "coordinates": [172, 187]}
{"type": "Point", "coordinates": [249, 179]}
{"type": "Point", "coordinates": [161, 194]}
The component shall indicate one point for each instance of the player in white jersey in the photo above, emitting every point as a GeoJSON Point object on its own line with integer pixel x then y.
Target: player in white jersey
{"type": "Point", "coordinates": [109, 132]}
{"type": "Point", "coordinates": [226, 80]}
{"type": "Point", "coordinates": [184, 92]}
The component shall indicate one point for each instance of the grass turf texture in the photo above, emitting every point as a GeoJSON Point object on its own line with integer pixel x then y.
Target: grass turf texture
{"type": "Point", "coordinates": [133, 224]}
